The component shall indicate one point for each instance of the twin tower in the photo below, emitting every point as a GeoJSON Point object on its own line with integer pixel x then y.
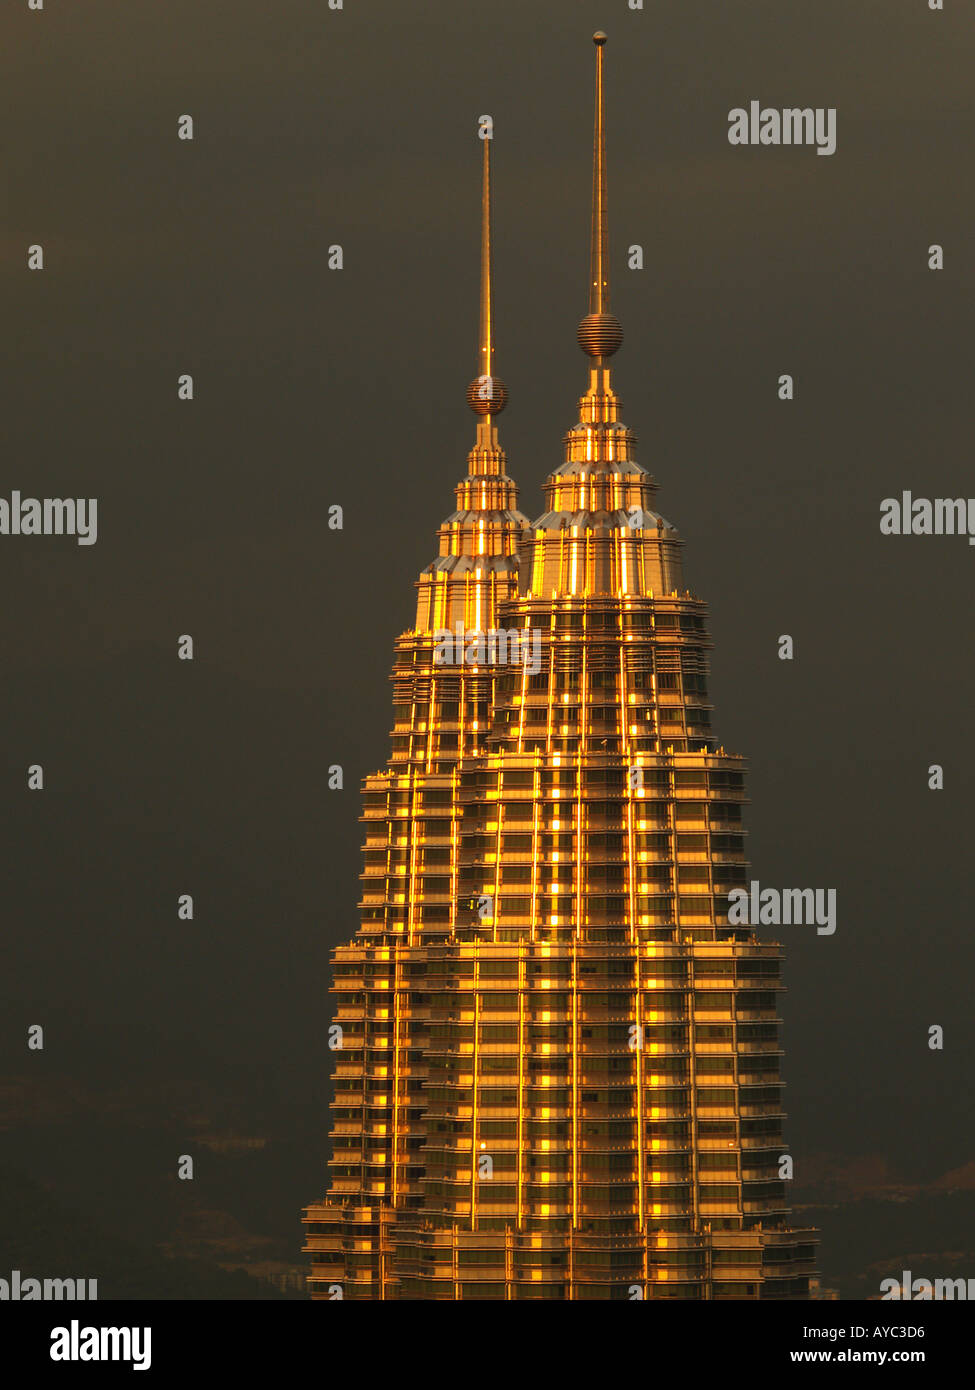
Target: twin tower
{"type": "Point", "coordinates": [556, 1063]}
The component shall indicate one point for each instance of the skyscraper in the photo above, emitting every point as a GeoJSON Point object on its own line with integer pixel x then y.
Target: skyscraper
{"type": "Point", "coordinates": [557, 1063]}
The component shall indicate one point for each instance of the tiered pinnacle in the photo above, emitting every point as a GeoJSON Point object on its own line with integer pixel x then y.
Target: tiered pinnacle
{"type": "Point", "coordinates": [558, 1074]}
{"type": "Point", "coordinates": [477, 565]}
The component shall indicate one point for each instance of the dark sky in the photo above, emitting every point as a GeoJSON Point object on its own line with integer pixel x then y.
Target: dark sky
{"type": "Point", "coordinates": [315, 387]}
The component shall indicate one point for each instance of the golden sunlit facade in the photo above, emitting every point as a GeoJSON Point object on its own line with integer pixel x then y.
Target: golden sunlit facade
{"type": "Point", "coordinates": [557, 1065]}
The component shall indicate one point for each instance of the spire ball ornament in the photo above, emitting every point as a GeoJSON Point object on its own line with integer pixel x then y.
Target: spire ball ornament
{"type": "Point", "coordinates": [600, 335]}
{"type": "Point", "coordinates": [487, 395]}
{"type": "Point", "coordinates": [599, 38]}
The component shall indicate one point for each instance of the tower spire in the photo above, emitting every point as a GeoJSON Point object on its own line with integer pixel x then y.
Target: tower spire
{"type": "Point", "coordinates": [487, 394]}
{"type": "Point", "coordinates": [599, 286]}
{"type": "Point", "coordinates": [484, 349]}
{"type": "Point", "coordinates": [599, 334]}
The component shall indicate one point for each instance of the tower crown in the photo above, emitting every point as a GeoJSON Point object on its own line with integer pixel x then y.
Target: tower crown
{"type": "Point", "coordinates": [477, 564]}
{"type": "Point", "coordinates": [600, 532]}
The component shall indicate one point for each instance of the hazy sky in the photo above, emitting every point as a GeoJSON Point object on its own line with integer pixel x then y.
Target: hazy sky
{"type": "Point", "coordinates": [314, 387]}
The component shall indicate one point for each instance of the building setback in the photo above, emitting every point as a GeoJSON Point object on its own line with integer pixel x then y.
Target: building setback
{"type": "Point", "coordinates": [558, 1071]}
